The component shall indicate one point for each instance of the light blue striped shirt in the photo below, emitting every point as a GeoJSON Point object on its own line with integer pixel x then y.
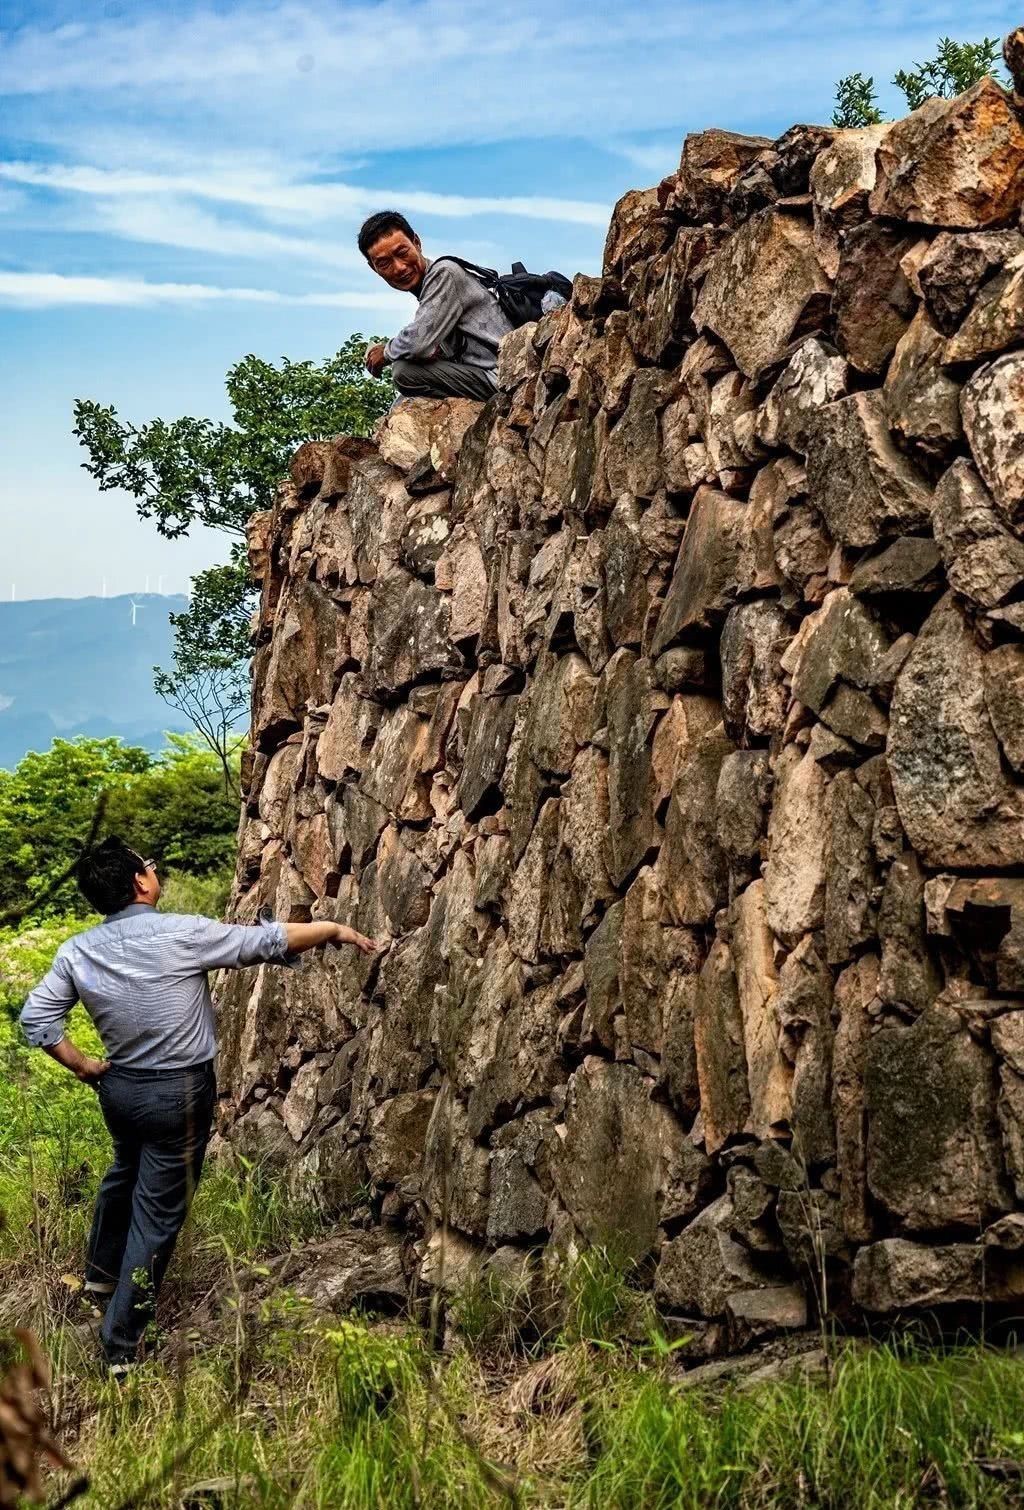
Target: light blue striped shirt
{"type": "Point", "coordinates": [141, 976]}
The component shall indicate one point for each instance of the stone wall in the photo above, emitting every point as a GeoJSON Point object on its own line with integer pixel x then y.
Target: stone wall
{"type": "Point", "coordinates": [664, 720]}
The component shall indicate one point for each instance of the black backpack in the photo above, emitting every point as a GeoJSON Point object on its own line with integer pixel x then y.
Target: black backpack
{"type": "Point", "coordinates": [519, 293]}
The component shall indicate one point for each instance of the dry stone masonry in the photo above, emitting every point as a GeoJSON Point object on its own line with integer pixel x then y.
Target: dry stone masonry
{"type": "Point", "coordinates": [664, 720]}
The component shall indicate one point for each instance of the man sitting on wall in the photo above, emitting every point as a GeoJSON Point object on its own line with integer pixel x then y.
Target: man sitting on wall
{"type": "Point", "coordinates": [450, 350]}
{"type": "Point", "coordinates": [141, 976]}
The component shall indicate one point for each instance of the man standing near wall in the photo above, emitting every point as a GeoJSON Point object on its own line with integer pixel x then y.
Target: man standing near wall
{"type": "Point", "coordinates": [450, 350]}
{"type": "Point", "coordinates": [141, 976]}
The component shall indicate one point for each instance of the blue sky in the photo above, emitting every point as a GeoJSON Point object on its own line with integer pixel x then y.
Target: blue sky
{"type": "Point", "coordinates": [181, 184]}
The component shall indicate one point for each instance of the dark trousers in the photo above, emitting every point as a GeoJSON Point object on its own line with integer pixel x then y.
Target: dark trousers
{"type": "Point", "coordinates": [442, 379]}
{"type": "Point", "coordinates": [160, 1122]}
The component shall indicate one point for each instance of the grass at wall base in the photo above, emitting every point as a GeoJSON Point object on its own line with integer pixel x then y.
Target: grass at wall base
{"type": "Point", "coordinates": [272, 1405]}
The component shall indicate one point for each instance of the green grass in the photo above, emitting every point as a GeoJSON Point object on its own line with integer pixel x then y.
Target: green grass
{"type": "Point", "coordinates": [574, 1400]}
{"type": "Point", "coordinates": [892, 1427]}
{"type": "Point", "coordinates": [360, 1415]}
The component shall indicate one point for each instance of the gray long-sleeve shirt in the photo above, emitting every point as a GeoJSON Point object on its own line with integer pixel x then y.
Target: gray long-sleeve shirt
{"type": "Point", "coordinates": [141, 976]}
{"type": "Point", "coordinates": [452, 300]}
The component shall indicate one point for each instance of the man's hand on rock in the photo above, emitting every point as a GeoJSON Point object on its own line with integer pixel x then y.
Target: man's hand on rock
{"type": "Point", "coordinates": [375, 360]}
{"type": "Point", "coordinates": [358, 941]}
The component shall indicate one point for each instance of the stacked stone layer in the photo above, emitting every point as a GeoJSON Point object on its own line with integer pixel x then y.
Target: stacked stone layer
{"type": "Point", "coordinates": [664, 720]}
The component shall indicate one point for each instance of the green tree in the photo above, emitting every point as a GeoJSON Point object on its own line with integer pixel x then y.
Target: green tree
{"type": "Point", "coordinates": [208, 680]}
{"type": "Point", "coordinates": [46, 807]}
{"type": "Point", "coordinates": [179, 811]}
{"type": "Point", "coordinates": [954, 68]}
{"type": "Point", "coordinates": [196, 471]}
{"type": "Point", "coordinates": [174, 807]}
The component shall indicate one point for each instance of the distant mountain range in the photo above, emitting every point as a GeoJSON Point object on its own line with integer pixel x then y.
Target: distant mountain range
{"type": "Point", "coordinates": [84, 666]}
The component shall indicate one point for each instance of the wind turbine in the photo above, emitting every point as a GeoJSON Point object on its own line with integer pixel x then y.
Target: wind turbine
{"type": "Point", "coordinates": [135, 609]}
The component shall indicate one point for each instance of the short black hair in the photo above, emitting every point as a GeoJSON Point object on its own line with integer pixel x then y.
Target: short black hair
{"type": "Point", "coordinates": [378, 225]}
{"type": "Point", "coordinates": [106, 875]}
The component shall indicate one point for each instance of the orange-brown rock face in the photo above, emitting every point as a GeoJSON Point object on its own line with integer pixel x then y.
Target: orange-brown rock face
{"type": "Point", "coordinates": [664, 721]}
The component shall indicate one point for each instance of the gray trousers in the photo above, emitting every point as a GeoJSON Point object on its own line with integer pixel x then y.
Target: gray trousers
{"type": "Point", "coordinates": [160, 1122]}
{"type": "Point", "coordinates": [442, 379]}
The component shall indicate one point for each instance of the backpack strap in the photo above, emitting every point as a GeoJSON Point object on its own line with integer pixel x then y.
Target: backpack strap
{"type": "Point", "coordinates": [488, 275]}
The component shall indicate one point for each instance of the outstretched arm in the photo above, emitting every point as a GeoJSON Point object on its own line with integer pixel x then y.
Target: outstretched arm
{"type": "Point", "coordinates": [303, 936]}
{"type": "Point", "coordinates": [233, 946]}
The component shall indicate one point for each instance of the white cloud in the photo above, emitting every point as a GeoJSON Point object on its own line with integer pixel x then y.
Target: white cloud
{"type": "Point", "coordinates": [175, 222]}
{"type": "Point", "coordinates": [312, 201]}
{"type": "Point", "coordinates": [656, 159]}
{"type": "Point", "coordinates": [380, 75]}
{"type": "Point", "coordinates": [47, 290]}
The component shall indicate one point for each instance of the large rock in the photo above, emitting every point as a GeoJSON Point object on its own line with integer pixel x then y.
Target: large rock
{"type": "Point", "coordinates": [803, 1006]}
{"type": "Point", "coordinates": [997, 319]}
{"type": "Point", "coordinates": [662, 299]}
{"type": "Point", "coordinates": [630, 819]}
{"type": "Point", "coordinates": [490, 729]}
{"type": "Point", "coordinates": [955, 267]}
{"type": "Point", "coordinates": [414, 428]}
{"type": "Point", "coordinates": [398, 1131]}
{"type": "Point", "coordinates": [522, 1068]}
{"type": "Point", "coordinates": [815, 375]}
{"type": "Point", "coordinates": [517, 1209]}
{"type": "Point", "coordinates": [711, 164]}
{"type": "Point", "coordinates": [855, 994]}
{"type": "Point", "coordinates": [841, 179]}
{"type": "Point", "coordinates": [456, 1170]}
{"type": "Point", "coordinates": [584, 830]}
{"type": "Point", "coordinates": [703, 585]}
{"type": "Point", "coordinates": [704, 1267]}
{"type": "Point", "coordinates": [934, 1152]}
{"type": "Point", "coordinates": [794, 875]}
{"type": "Point", "coordinates": [742, 801]}
{"type": "Point", "coordinates": [992, 404]}
{"type": "Point", "coordinates": [909, 978]}
{"type": "Point", "coordinates": [754, 694]}
{"type": "Point", "coordinates": [897, 1275]}
{"type": "Point", "coordinates": [955, 800]}
{"type": "Point", "coordinates": [873, 302]}
{"type": "Point", "coordinates": [921, 399]}
{"type": "Point", "coordinates": [956, 163]}
{"type": "Point", "coordinates": [691, 865]}
{"type": "Point", "coordinates": [718, 1034]}
{"type": "Point", "coordinates": [355, 1268]}
{"type": "Point", "coordinates": [851, 867]}
{"type": "Point", "coordinates": [762, 289]}
{"type": "Point", "coordinates": [984, 561]}
{"type": "Point", "coordinates": [840, 645]}
{"type": "Point", "coordinates": [1004, 698]}
{"type": "Point", "coordinates": [1008, 1042]}
{"type": "Point", "coordinates": [864, 488]}
{"type": "Point", "coordinates": [769, 1077]}
{"type": "Point", "coordinates": [409, 633]}
{"type": "Point", "coordinates": [622, 1162]}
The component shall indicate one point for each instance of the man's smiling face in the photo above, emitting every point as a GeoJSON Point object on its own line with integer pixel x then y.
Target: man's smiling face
{"type": "Point", "coordinates": [399, 261]}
